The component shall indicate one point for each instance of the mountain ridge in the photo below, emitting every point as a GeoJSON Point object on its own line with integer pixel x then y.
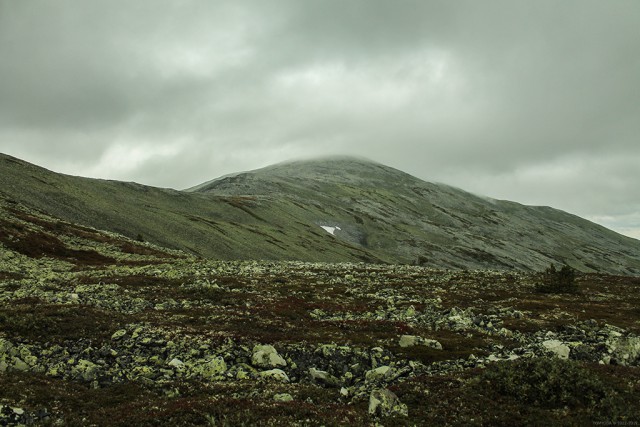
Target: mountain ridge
{"type": "Point", "coordinates": [377, 214]}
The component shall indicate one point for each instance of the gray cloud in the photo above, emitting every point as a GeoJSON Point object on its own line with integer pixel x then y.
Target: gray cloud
{"type": "Point", "coordinates": [529, 101]}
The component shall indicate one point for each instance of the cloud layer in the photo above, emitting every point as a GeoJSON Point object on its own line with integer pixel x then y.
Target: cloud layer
{"type": "Point", "coordinates": [535, 102]}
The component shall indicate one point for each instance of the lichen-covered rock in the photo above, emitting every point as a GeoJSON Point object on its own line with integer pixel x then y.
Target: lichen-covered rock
{"type": "Point", "coordinates": [176, 363]}
{"type": "Point", "coordinates": [118, 334]}
{"type": "Point", "coordinates": [276, 375]}
{"type": "Point", "coordinates": [266, 356]}
{"type": "Point", "coordinates": [383, 402]}
{"type": "Point", "coordinates": [379, 373]}
{"type": "Point", "coordinates": [282, 397]}
{"type": "Point", "coordinates": [210, 368]}
{"type": "Point", "coordinates": [323, 377]}
{"type": "Point", "coordinates": [85, 370]}
{"type": "Point", "coordinates": [413, 340]}
{"type": "Point", "coordinates": [409, 340]}
{"type": "Point", "coordinates": [432, 344]}
{"type": "Point", "coordinates": [626, 350]}
{"type": "Point", "coordinates": [558, 348]}
{"type": "Point", "coordinates": [5, 346]}
{"type": "Point", "coordinates": [19, 365]}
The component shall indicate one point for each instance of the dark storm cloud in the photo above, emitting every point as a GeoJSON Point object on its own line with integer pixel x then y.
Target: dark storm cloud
{"type": "Point", "coordinates": [529, 101]}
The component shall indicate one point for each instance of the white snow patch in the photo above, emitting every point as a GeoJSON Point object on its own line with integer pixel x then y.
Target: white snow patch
{"type": "Point", "coordinates": [330, 230]}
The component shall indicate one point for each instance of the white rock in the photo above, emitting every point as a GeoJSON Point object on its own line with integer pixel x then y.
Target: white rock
{"type": "Point", "coordinates": [558, 348]}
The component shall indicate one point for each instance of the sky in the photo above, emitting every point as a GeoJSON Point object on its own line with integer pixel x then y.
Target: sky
{"type": "Point", "coordinates": [532, 101]}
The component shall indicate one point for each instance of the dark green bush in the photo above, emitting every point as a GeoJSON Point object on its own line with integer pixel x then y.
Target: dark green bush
{"type": "Point", "coordinates": [546, 383]}
{"type": "Point", "coordinates": [555, 281]}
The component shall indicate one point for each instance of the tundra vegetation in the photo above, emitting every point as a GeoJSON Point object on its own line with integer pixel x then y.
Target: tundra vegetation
{"type": "Point", "coordinates": [98, 329]}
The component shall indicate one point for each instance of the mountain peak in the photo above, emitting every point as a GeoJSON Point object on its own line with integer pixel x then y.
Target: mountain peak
{"type": "Point", "coordinates": [349, 170]}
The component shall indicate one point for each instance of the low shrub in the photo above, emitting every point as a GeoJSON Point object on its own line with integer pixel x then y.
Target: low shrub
{"type": "Point", "coordinates": [547, 383]}
{"type": "Point", "coordinates": [555, 281]}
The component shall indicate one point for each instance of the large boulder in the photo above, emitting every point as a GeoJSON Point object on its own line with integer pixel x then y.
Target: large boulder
{"type": "Point", "coordinates": [210, 368]}
{"type": "Point", "coordinates": [558, 348]}
{"type": "Point", "coordinates": [276, 375]}
{"type": "Point", "coordinates": [413, 340]}
{"type": "Point", "coordinates": [85, 370]}
{"type": "Point", "coordinates": [379, 373]}
{"type": "Point", "coordinates": [383, 402]}
{"type": "Point", "coordinates": [323, 377]}
{"type": "Point", "coordinates": [266, 356]}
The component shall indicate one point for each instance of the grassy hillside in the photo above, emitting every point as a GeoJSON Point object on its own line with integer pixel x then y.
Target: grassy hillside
{"type": "Point", "coordinates": [377, 214]}
{"type": "Point", "coordinates": [218, 227]}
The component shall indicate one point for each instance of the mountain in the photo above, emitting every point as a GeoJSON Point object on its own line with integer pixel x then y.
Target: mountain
{"type": "Point", "coordinates": [331, 209]}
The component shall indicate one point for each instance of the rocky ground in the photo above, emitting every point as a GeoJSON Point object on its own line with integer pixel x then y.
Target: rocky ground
{"type": "Point", "coordinates": [96, 329]}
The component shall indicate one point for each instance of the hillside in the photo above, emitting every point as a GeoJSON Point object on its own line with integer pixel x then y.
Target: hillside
{"type": "Point", "coordinates": [370, 212]}
{"type": "Point", "coordinates": [206, 225]}
{"type": "Point", "coordinates": [393, 214]}
{"type": "Point", "coordinates": [98, 329]}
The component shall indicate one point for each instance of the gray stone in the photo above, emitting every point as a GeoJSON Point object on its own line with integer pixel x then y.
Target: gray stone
{"type": "Point", "coordinates": [282, 397]}
{"type": "Point", "coordinates": [383, 402]}
{"type": "Point", "coordinates": [118, 334]}
{"type": "Point", "coordinates": [19, 365]}
{"type": "Point", "coordinates": [432, 344]}
{"type": "Point", "coordinates": [275, 374]}
{"type": "Point", "coordinates": [266, 356]}
{"type": "Point", "coordinates": [176, 363]}
{"type": "Point", "coordinates": [324, 377]}
{"type": "Point", "coordinates": [211, 368]}
{"type": "Point", "coordinates": [378, 373]}
{"type": "Point", "coordinates": [409, 340]}
{"type": "Point", "coordinates": [5, 346]}
{"type": "Point", "coordinates": [558, 348]}
{"type": "Point", "coordinates": [85, 370]}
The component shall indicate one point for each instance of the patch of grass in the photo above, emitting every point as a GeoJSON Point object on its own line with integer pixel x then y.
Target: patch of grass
{"type": "Point", "coordinates": [454, 346]}
{"type": "Point", "coordinates": [36, 244]}
{"type": "Point", "coordinates": [8, 275]}
{"type": "Point", "coordinates": [35, 320]}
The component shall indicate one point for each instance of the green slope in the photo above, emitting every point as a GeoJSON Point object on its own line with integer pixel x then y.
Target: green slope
{"type": "Point", "coordinates": [276, 213]}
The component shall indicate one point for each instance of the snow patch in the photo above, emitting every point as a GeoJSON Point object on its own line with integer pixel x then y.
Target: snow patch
{"type": "Point", "coordinates": [330, 230]}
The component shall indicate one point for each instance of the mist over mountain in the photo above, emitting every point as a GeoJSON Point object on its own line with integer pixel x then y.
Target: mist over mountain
{"type": "Point", "coordinates": [329, 209]}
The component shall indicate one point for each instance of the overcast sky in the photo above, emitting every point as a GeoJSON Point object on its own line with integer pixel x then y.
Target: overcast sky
{"type": "Point", "coordinates": [533, 101]}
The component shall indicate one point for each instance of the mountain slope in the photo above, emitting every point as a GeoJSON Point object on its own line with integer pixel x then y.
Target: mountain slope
{"type": "Point", "coordinates": [388, 211]}
{"type": "Point", "coordinates": [375, 213]}
{"type": "Point", "coordinates": [206, 225]}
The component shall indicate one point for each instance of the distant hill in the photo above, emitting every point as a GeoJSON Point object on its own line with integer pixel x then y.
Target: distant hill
{"type": "Point", "coordinates": [332, 209]}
